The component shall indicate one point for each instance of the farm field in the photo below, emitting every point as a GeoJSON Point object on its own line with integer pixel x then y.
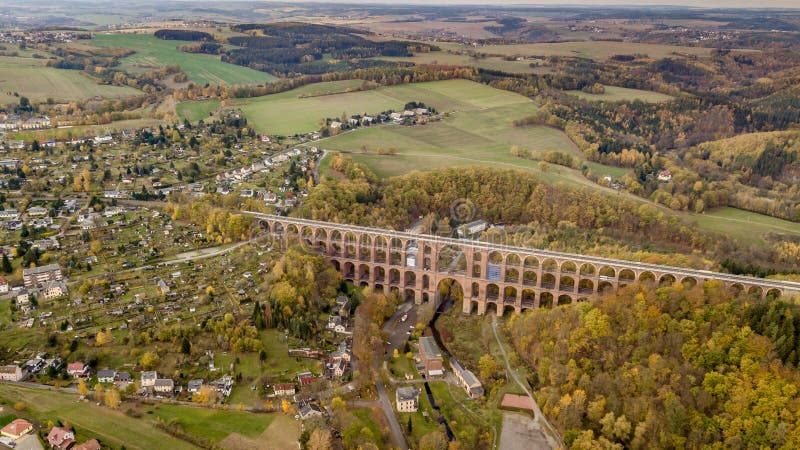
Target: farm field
{"type": "Point", "coordinates": [31, 78]}
{"type": "Point", "coordinates": [491, 63]}
{"type": "Point", "coordinates": [599, 50]}
{"type": "Point", "coordinates": [109, 426]}
{"type": "Point", "coordinates": [152, 53]}
{"type": "Point", "coordinates": [213, 424]}
{"type": "Point", "coordinates": [615, 94]}
{"type": "Point", "coordinates": [744, 225]}
{"type": "Point", "coordinates": [197, 110]}
{"type": "Point", "coordinates": [289, 112]}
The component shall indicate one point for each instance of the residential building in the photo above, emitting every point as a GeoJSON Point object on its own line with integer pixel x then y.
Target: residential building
{"type": "Point", "coordinates": [91, 444]}
{"type": "Point", "coordinates": [430, 357]}
{"type": "Point", "coordinates": [77, 370]}
{"type": "Point", "coordinates": [472, 228]}
{"type": "Point", "coordinates": [11, 373]}
{"type": "Point", "coordinates": [4, 287]}
{"type": "Point", "coordinates": [194, 386]}
{"type": "Point", "coordinates": [467, 379]}
{"type": "Point", "coordinates": [61, 438]}
{"type": "Point", "coordinates": [106, 376]}
{"type": "Point", "coordinates": [149, 379]}
{"type": "Point", "coordinates": [164, 386]}
{"type": "Point", "coordinates": [406, 399]}
{"type": "Point", "coordinates": [305, 378]}
{"type": "Point", "coordinates": [36, 211]}
{"type": "Point", "coordinates": [307, 410]}
{"type": "Point", "coordinates": [53, 289]}
{"type": "Point", "coordinates": [16, 429]}
{"type": "Point", "coordinates": [284, 389]}
{"type": "Point", "coordinates": [36, 276]}
{"type": "Point", "coordinates": [336, 324]}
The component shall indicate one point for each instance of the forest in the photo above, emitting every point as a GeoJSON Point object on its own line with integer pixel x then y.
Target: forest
{"type": "Point", "coordinates": [668, 367]}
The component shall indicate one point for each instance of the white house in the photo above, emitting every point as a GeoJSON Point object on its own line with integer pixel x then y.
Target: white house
{"type": "Point", "coordinates": [406, 399]}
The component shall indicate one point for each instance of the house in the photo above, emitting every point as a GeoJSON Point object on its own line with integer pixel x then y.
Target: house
{"type": "Point", "coordinates": [36, 211]}
{"type": "Point", "coordinates": [344, 305]}
{"type": "Point", "coordinates": [406, 399]}
{"type": "Point", "coordinates": [9, 214]}
{"type": "Point", "coordinates": [395, 116]}
{"type": "Point", "coordinates": [467, 379]}
{"type": "Point", "coordinates": [16, 429]}
{"type": "Point", "coordinates": [472, 228]}
{"type": "Point", "coordinates": [36, 276]}
{"type": "Point", "coordinates": [194, 386]}
{"type": "Point", "coordinates": [36, 123]}
{"type": "Point", "coordinates": [77, 370]}
{"type": "Point", "coordinates": [45, 244]}
{"type": "Point", "coordinates": [164, 386]}
{"type": "Point", "coordinates": [149, 379]}
{"type": "Point", "coordinates": [163, 287]}
{"type": "Point", "coordinates": [106, 376]}
{"type": "Point", "coordinates": [53, 289]}
{"type": "Point", "coordinates": [430, 357]}
{"type": "Point", "coordinates": [305, 378]}
{"type": "Point", "coordinates": [11, 373]}
{"type": "Point", "coordinates": [4, 287]}
{"type": "Point", "coordinates": [103, 139]}
{"type": "Point", "coordinates": [122, 379]}
{"type": "Point", "coordinates": [284, 389]}
{"type": "Point", "coordinates": [16, 145]}
{"type": "Point", "coordinates": [336, 324]}
{"type": "Point", "coordinates": [91, 444]}
{"type": "Point", "coordinates": [335, 125]}
{"type": "Point", "coordinates": [307, 410]}
{"type": "Point", "coordinates": [664, 175]}
{"type": "Point", "coordinates": [337, 367]}
{"type": "Point", "coordinates": [61, 438]}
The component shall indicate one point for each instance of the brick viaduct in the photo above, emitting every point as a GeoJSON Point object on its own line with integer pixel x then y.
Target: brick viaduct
{"type": "Point", "coordinates": [493, 277]}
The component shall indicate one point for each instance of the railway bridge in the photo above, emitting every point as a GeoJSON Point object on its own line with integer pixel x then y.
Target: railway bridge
{"type": "Point", "coordinates": [492, 277]}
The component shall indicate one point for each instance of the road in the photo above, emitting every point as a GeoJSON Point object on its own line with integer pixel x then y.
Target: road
{"type": "Point", "coordinates": [552, 435]}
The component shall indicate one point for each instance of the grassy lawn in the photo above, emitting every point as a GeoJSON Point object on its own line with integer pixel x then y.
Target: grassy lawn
{"type": "Point", "coordinates": [615, 94]}
{"type": "Point", "coordinates": [214, 424]}
{"type": "Point", "coordinates": [744, 225]}
{"type": "Point", "coordinates": [5, 312]}
{"type": "Point", "coordinates": [490, 63]}
{"type": "Point", "coordinates": [30, 78]}
{"type": "Point", "coordinates": [603, 170]}
{"type": "Point", "coordinates": [90, 420]}
{"type": "Point", "coordinates": [152, 53]}
{"type": "Point", "coordinates": [195, 111]}
{"type": "Point", "coordinates": [599, 50]}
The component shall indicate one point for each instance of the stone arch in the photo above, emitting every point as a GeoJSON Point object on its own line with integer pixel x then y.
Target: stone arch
{"type": "Point", "coordinates": [476, 289]}
{"type": "Point", "coordinates": [364, 253]}
{"type": "Point", "coordinates": [350, 238]}
{"type": "Point", "coordinates": [510, 294]}
{"type": "Point", "coordinates": [395, 257]}
{"type": "Point", "coordinates": [531, 262]}
{"type": "Point", "coordinates": [293, 229]}
{"type": "Point", "coordinates": [336, 265]}
{"type": "Point", "coordinates": [321, 234]}
{"type": "Point", "coordinates": [549, 265]}
{"type": "Point", "coordinates": [495, 258]}
{"type": "Point", "coordinates": [410, 295]}
{"type": "Point", "coordinates": [426, 281]}
{"type": "Point", "coordinates": [449, 289]}
{"type": "Point", "coordinates": [627, 276]}
{"type": "Point", "coordinates": [564, 299]}
{"type": "Point", "coordinates": [492, 291]}
{"type": "Point", "coordinates": [512, 275]}
{"type": "Point", "coordinates": [666, 280]}
{"type": "Point", "coordinates": [566, 283]}
{"type": "Point", "coordinates": [473, 307]}
{"type": "Point", "coordinates": [451, 259]}
{"type": "Point", "coordinates": [586, 286]}
{"type": "Point", "coordinates": [425, 297]}
{"type": "Point", "coordinates": [546, 300]}
{"type": "Point", "coordinates": [689, 282]}
{"type": "Point", "coordinates": [528, 297]}
{"type": "Point", "coordinates": [755, 291]}
{"type": "Point", "coordinates": [604, 286]}
{"type": "Point", "coordinates": [512, 259]}
{"type": "Point", "coordinates": [569, 267]}
{"type": "Point", "coordinates": [774, 293]}
{"type": "Point", "coordinates": [394, 277]}
{"type": "Point", "coordinates": [396, 244]}
{"type": "Point", "coordinates": [526, 310]}
{"type": "Point", "coordinates": [380, 274]}
{"type": "Point", "coordinates": [336, 235]}
{"type": "Point", "coordinates": [410, 279]}
{"type": "Point", "coordinates": [378, 288]}
{"type": "Point", "coordinates": [491, 308]}
{"type": "Point", "coordinates": [607, 272]}
{"type": "Point", "coordinates": [380, 242]}
{"type": "Point", "coordinates": [509, 310]}
{"type": "Point", "coordinates": [736, 288]}
{"type": "Point", "coordinates": [548, 281]}
{"type": "Point", "coordinates": [529, 278]}
{"type": "Point", "coordinates": [588, 270]}
{"type": "Point", "coordinates": [277, 228]}
{"type": "Point", "coordinates": [365, 239]}
{"type": "Point", "coordinates": [412, 246]}
{"type": "Point", "coordinates": [363, 272]}
{"type": "Point", "coordinates": [647, 277]}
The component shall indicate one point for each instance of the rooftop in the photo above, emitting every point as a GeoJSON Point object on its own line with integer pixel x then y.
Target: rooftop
{"type": "Point", "coordinates": [428, 346]}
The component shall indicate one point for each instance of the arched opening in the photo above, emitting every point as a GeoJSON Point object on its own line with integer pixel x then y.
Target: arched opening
{"type": "Point", "coordinates": [410, 279]}
{"type": "Point", "coordinates": [363, 284]}
{"type": "Point", "coordinates": [322, 246]}
{"type": "Point", "coordinates": [365, 240]}
{"type": "Point", "coordinates": [526, 310]}
{"type": "Point", "coordinates": [336, 235]}
{"type": "Point", "coordinates": [278, 229]}
{"type": "Point", "coordinates": [451, 259]}
{"type": "Point", "coordinates": [627, 276]}
{"type": "Point", "coordinates": [569, 267]}
{"type": "Point", "coordinates": [531, 262]}
{"type": "Point", "coordinates": [510, 294]}
{"type": "Point", "coordinates": [380, 242]}
{"type": "Point", "coordinates": [380, 274]}
{"type": "Point", "coordinates": [394, 277]}
{"type": "Point", "coordinates": [548, 281]}
{"type": "Point", "coordinates": [607, 273]}
{"type": "Point", "coordinates": [410, 295]}
{"type": "Point", "coordinates": [564, 300]}
{"type": "Point", "coordinates": [308, 236]}
{"type": "Point", "coordinates": [350, 238]}
{"type": "Point", "coordinates": [512, 260]}
{"type": "Point", "coordinates": [512, 275]}
{"type": "Point", "coordinates": [529, 278]}
{"type": "Point", "coordinates": [426, 282]}
{"type": "Point", "coordinates": [588, 270]}
{"type": "Point", "coordinates": [378, 288]}
{"type": "Point", "coordinates": [549, 265]}
{"type": "Point", "coordinates": [509, 310]}
{"type": "Point", "coordinates": [396, 244]}
{"type": "Point", "coordinates": [363, 272]}
{"type": "Point", "coordinates": [546, 300]}
{"type": "Point", "coordinates": [737, 289]}
{"type": "Point", "coordinates": [528, 298]}
{"type": "Point", "coordinates": [492, 291]}
{"type": "Point", "coordinates": [395, 258]}
{"type": "Point", "coordinates": [450, 290]}
{"type": "Point", "coordinates": [380, 254]}
{"type": "Point", "coordinates": [412, 248]}
{"type": "Point", "coordinates": [336, 265]}
{"type": "Point", "coordinates": [477, 257]}
{"type": "Point", "coordinates": [425, 297]}
{"type": "Point", "coordinates": [604, 286]}
{"type": "Point", "coordinates": [491, 308]}
{"type": "Point", "coordinates": [647, 278]}
{"type": "Point", "coordinates": [349, 270]}
{"type": "Point", "coordinates": [473, 307]}
{"type": "Point", "coordinates": [666, 280]}
{"type": "Point", "coordinates": [336, 249]}
{"type": "Point", "coordinates": [364, 253]}
{"type": "Point", "coordinates": [585, 286]}
{"type": "Point", "coordinates": [774, 293]}
{"type": "Point", "coordinates": [755, 291]}
{"type": "Point", "coordinates": [566, 284]}
{"type": "Point", "coordinates": [476, 289]}
{"type": "Point", "coordinates": [495, 258]}
{"type": "Point", "coordinates": [689, 282]}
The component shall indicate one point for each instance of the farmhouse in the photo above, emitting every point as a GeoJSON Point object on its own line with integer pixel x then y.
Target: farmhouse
{"type": "Point", "coordinates": [91, 444]}
{"type": "Point", "coordinates": [194, 386]}
{"type": "Point", "coordinates": [77, 370]}
{"type": "Point", "coordinates": [307, 410]}
{"type": "Point", "coordinates": [284, 389]}
{"type": "Point", "coordinates": [4, 287]}
{"type": "Point", "coordinates": [406, 399]}
{"type": "Point", "coordinates": [16, 429]}
{"type": "Point", "coordinates": [61, 438]}
{"type": "Point", "coordinates": [164, 386]}
{"type": "Point", "coordinates": [11, 373]}
{"type": "Point", "coordinates": [430, 357]}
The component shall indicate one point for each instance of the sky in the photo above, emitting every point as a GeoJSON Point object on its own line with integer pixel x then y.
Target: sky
{"type": "Point", "coordinates": [794, 4]}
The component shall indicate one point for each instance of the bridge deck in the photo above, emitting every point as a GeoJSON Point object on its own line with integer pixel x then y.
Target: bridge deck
{"type": "Point", "coordinates": [785, 286]}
